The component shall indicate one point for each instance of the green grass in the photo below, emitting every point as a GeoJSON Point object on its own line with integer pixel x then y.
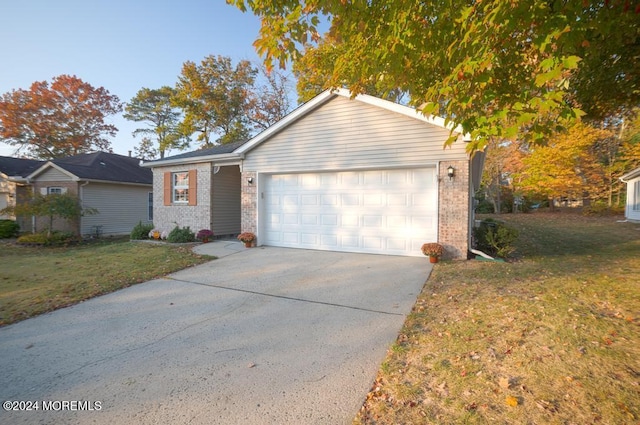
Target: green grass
{"type": "Point", "coordinates": [552, 337]}
{"type": "Point", "coordinates": [37, 280]}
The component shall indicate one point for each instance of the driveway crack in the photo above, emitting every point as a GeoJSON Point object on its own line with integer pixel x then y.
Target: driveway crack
{"type": "Point", "coordinates": [284, 297]}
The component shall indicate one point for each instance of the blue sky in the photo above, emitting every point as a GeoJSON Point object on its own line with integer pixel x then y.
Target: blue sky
{"type": "Point", "coordinates": [121, 45]}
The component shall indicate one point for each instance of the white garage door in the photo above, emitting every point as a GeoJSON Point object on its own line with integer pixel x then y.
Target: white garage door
{"type": "Point", "coordinates": [373, 211]}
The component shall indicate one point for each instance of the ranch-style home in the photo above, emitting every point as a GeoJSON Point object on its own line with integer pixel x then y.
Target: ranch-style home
{"type": "Point", "coordinates": [632, 179]}
{"type": "Point", "coordinates": [115, 185]}
{"type": "Point", "coordinates": [358, 175]}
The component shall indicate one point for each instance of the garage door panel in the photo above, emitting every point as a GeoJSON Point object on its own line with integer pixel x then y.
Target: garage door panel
{"type": "Point", "coordinates": [374, 211]}
{"type": "Point", "coordinates": [329, 220]}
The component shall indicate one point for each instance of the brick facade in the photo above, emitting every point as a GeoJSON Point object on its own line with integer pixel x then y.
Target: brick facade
{"type": "Point", "coordinates": [453, 214]}
{"type": "Point", "coordinates": [249, 202]}
{"type": "Point", "coordinates": [198, 216]}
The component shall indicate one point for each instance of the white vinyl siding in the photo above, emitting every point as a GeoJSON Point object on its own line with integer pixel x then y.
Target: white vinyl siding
{"type": "Point", "coordinates": [348, 134]}
{"type": "Point", "coordinates": [636, 196]}
{"type": "Point", "coordinates": [120, 207]}
{"type": "Point", "coordinates": [225, 201]}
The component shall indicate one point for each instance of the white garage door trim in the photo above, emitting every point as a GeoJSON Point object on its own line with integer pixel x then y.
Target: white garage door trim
{"type": "Point", "coordinates": [382, 211]}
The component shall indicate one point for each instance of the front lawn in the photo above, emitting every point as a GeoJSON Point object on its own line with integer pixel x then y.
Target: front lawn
{"type": "Point", "coordinates": [551, 338]}
{"type": "Point", "coordinates": [37, 280]}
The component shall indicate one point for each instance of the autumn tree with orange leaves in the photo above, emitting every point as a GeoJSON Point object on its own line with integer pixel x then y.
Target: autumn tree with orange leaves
{"type": "Point", "coordinates": [66, 117]}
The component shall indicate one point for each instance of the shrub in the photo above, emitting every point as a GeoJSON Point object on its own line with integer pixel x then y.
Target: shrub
{"type": "Point", "coordinates": [9, 229]}
{"type": "Point", "coordinates": [141, 231]}
{"type": "Point", "coordinates": [495, 238]}
{"type": "Point", "coordinates": [601, 209]}
{"type": "Point", "coordinates": [56, 238]}
{"type": "Point", "coordinates": [181, 235]}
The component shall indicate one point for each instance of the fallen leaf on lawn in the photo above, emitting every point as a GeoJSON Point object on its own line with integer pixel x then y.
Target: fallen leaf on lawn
{"type": "Point", "coordinates": [511, 401]}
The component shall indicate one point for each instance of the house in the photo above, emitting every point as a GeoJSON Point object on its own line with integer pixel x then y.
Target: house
{"type": "Point", "coordinates": [115, 185]}
{"type": "Point", "coordinates": [356, 175]}
{"type": "Point", "coordinates": [14, 186]}
{"type": "Point", "coordinates": [632, 179]}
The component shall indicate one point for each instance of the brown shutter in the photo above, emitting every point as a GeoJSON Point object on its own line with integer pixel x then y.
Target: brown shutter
{"type": "Point", "coordinates": [193, 187]}
{"type": "Point", "coordinates": [167, 188]}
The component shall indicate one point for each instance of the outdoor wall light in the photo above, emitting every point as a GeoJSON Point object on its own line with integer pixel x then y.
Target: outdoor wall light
{"type": "Point", "coordinates": [451, 172]}
{"type": "Point", "coordinates": [250, 180]}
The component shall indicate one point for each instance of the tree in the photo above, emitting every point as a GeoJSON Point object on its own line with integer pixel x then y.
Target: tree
{"type": "Point", "coordinates": [214, 98]}
{"type": "Point", "coordinates": [568, 167]}
{"type": "Point", "coordinates": [153, 107]}
{"type": "Point", "coordinates": [312, 71]}
{"type": "Point", "coordinates": [498, 68]}
{"type": "Point", "coordinates": [269, 102]}
{"type": "Point", "coordinates": [64, 118]}
{"type": "Point", "coordinates": [62, 205]}
{"type": "Point", "coordinates": [146, 150]}
{"type": "Point", "coordinates": [503, 161]}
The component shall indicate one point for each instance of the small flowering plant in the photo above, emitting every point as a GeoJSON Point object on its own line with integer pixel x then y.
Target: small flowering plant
{"type": "Point", "coordinates": [432, 249]}
{"type": "Point", "coordinates": [246, 237]}
{"type": "Point", "coordinates": [204, 235]}
{"type": "Point", "coordinates": [158, 234]}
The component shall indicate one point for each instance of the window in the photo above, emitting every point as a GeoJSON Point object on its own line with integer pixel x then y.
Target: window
{"type": "Point", "coordinates": [150, 206]}
{"type": "Point", "coordinates": [636, 196]}
{"type": "Point", "coordinates": [53, 190]}
{"type": "Point", "coordinates": [180, 187]}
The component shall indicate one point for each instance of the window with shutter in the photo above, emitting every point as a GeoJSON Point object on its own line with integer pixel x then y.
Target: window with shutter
{"type": "Point", "coordinates": [180, 188]}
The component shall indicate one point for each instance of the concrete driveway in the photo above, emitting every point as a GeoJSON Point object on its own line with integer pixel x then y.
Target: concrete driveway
{"type": "Point", "coordinates": [259, 336]}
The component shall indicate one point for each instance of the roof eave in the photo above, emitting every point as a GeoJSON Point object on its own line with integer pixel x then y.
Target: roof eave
{"type": "Point", "coordinates": [218, 159]}
{"type": "Point", "coordinates": [630, 175]}
{"type": "Point", "coordinates": [116, 182]}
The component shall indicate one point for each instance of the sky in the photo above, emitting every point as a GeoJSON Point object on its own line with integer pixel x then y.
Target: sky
{"type": "Point", "coordinates": [121, 45]}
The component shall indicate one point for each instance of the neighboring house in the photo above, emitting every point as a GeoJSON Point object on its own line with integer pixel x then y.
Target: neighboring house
{"type": "Point", "coordinates": [632, 179]}
{"type": "Point", "coordinates": [14, 186]}
{"type": "Point", "coordinates": [356, 175]}
{"type": "Point", "coordinates": [113, 184]}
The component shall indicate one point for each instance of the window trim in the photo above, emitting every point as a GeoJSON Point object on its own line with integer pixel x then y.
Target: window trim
{"type": "Point", "coordinates": [182, 187]}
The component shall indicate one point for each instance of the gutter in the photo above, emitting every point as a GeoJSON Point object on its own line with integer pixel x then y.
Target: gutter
{"type": "Point", "coordinates": [218, 158]}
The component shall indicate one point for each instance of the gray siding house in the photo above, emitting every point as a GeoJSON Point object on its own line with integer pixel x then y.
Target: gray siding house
{"type": "Point", "coordinates": [357, 175]}
{"type": "Point", "coordinates": [113, 184]}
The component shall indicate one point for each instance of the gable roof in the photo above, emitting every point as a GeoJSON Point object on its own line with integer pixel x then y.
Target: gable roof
{"type": "Point", "coordinates": [18, 167]}
{"type": "Point", "coordinates": [325, 97]}
{"type": "Point", "coordinates": [241, 148]}
{"type": "Point", "coordinates": [100, 166]}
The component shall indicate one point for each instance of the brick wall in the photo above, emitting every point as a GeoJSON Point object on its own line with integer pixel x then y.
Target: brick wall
{"type": "Point", "coordinates": [249, 202]}
{"type": "Point", "coordinates": [197, 217]}
{"type": "Point", "coordinates": [453, 201]}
